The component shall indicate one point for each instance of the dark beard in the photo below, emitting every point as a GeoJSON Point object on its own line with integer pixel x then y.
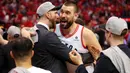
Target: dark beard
{"type": "Point", "coordinates": [68, 25]}
{"type": "Point", "coordinates": [53, 25]}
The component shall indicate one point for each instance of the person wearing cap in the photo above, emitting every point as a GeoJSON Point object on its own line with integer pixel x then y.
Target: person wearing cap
{"type": "Point", "coordinates": [22, 53]}
{"type": "Point", "coordinates": [115, 59]}
{"type": "Point", "coordinates": [49, 52]}
{"type": "Point", "coordinates": [6, 62]}
{"type": "Point", "coordinates": [13, 32]}
{"type": "Point", "coordinates": [76, 36]}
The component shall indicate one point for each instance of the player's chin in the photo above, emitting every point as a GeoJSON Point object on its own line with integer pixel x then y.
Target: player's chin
{"type": "Point", "coordinates": [63, 24]}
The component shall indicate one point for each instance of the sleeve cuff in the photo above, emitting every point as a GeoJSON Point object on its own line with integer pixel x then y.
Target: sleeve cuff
{"type": "Point", "coordinates": [81, 69]}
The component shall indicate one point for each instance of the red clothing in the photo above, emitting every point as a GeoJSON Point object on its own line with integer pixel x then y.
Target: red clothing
{"type": "Point", "coordinates": [27, 24]}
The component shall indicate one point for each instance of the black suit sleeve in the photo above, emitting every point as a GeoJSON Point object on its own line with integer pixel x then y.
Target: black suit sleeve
{"type": "Point", "coordinates": [1, 59]}
{"type": "Point", "coordinates": [55, 47]}
{"type": "Point", "coordinates": [81, 69]}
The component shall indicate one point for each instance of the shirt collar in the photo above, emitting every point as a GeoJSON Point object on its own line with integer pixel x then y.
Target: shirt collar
{"type": "Point", "coordinates": [45, 25]}
{"type": "Point", "coordinates": [35, 27]}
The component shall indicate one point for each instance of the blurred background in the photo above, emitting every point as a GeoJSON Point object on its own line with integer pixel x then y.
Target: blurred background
{"type": "Point", "coordinates": [93, 12]}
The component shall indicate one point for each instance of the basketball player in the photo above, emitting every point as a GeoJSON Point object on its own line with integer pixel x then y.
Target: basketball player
{"type": "Point", "coordinates": [74, 35]}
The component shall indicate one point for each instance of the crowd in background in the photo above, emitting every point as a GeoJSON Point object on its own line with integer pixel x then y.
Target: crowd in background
{"type": "Point", "coordinates": [22, 12]}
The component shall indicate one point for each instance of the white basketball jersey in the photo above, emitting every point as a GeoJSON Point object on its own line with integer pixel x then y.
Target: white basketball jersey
{"type": "Point", "coordinates": [73, 41]}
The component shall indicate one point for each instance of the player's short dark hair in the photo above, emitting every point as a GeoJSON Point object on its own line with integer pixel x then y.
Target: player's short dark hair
{"type": "Point", "coordinates": [72, 3]}
{"type": "Point", "coordinates": [21, 47]}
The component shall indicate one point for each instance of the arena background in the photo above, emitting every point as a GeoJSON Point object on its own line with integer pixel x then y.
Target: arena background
{"type": "Point", "coordinates": [93, 12]}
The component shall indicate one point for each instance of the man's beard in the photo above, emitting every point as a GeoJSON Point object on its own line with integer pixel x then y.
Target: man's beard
{"type": "Point", "coordinates": [52, 26]}
{"type": "Point", "coordinates": [65, 24]}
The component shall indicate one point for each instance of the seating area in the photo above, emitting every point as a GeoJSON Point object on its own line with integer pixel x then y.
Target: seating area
{"type": "Point", "coordinates": [22, 12]}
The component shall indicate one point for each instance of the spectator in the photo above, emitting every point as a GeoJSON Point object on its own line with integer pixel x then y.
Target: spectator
{"type": "Point", "coordinates": [22, 53]}
{"type": "Point", "coordinates": [6, 62]}
{"type": "Point", "coordinates": [116, 59]}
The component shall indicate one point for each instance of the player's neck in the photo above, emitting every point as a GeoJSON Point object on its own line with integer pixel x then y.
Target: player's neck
{"type": "Point", "coordinates": [116, 42]}
{"type": "Point", "coordinates": [26, 64]}
{"type": "Point", "coordinates": [45, 21]}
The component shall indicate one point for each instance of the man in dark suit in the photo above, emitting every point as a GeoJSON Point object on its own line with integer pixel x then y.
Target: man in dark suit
{"type": "Point", "coordinates": [49, 52]}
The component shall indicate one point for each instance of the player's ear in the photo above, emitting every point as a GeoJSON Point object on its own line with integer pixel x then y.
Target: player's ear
{"type": "Point", "coordinates": [76, 15]}
{"type": "Point", "coordinates": [32, 53]}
